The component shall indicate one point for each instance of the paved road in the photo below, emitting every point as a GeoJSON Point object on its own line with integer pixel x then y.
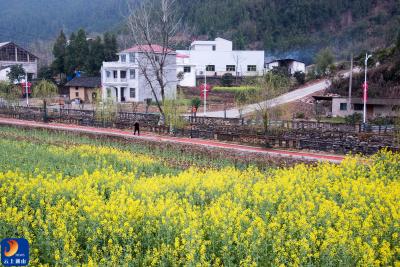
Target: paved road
{"type": "Point", "coordinates": [189, 141]}
{"type": "Point", "coordinates": [283, 99]}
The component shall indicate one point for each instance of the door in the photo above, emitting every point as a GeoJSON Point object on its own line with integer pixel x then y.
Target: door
{"type": "Point", "coordinates": [122, 94]}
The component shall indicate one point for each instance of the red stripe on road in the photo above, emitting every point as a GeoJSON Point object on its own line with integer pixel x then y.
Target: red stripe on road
{"type": "Point", "coordinates": [158, 138]}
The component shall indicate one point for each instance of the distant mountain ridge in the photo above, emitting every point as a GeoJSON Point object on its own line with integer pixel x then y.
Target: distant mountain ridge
{"type": "Point", "coordinates": [286, 28]}
{"type": "Point", "coordinates": [24, 21]}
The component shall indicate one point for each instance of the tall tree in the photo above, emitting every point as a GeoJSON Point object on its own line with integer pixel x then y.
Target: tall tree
{"type": "Point", "coordinates": [70, 55]}
{"type": "Point", "coordinates": [110, 47]}
{"type": "Point", "coordinates": [45, 90]}
{"type": "Point", "coordinates": [95, 57]}
{"type": "Point", "coordinates": [59, 51]}
{"type": "Point", "coordinates": [153, 24]}
{"type": "Point", "coordinates": [82, 49]}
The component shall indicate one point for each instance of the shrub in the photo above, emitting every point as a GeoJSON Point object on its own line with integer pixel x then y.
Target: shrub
{"type": "Point", "coordinates": [300, 77]}
{"type": "Point", "coordinates": [353, 119]}
{"type": "Point", "coordinates": [227, 79]}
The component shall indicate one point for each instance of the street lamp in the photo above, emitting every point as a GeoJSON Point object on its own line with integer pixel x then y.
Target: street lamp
{"type": "Point", "coordinates": [205, 91]}
{"type": "Point", "coordinates": [365, 87]}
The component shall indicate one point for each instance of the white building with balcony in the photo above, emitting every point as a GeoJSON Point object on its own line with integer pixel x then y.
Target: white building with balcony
{"type": "Point", "coordinates": [11, 54]}
{"type": "Point", "coordinates": [216, 58]}
{"type": "Point", "coordinates": [124, 80]}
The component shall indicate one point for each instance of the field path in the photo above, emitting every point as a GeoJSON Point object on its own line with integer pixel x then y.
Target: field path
{"type": "Point", "coordinates": [189, 141]}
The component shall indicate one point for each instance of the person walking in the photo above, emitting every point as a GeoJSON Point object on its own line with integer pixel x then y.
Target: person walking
{"type": "Point", "coordinates": [136, 128]}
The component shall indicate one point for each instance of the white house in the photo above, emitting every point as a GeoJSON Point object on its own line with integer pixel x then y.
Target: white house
{"type": "Point", "coordinates": [124, 80]}
{"type": "Point", "coordinates": [292, 65]}
{"type": "Point", "coordinates": [215, 58]}
{"type": "Point", "coordinates": [12, 54]}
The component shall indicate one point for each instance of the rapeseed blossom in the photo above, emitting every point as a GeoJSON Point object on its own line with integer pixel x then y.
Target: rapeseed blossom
{"type": "Point", "coordinates": [341, 215]}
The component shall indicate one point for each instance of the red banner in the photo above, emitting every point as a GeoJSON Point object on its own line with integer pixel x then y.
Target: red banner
{"type": "Point", "coordinates": [365, 87]}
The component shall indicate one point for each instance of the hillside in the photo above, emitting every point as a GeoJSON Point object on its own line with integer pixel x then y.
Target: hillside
{"type": "Point", "coordinates": [294, 25]}
{"type": "Point", "coordinates": [297, 28]}
{"type": "Point", "coordinates": [383, 76]}
{"type": "Point", "coordinates": [24, 21]}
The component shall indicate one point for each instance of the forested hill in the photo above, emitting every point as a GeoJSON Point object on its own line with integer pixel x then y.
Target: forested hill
{"type": "Point", "coordinates": [273, 25]}
{"type": "Point", "coordinates": [25, 21]}
{"type": "Point", "coordinates": [291, 25]}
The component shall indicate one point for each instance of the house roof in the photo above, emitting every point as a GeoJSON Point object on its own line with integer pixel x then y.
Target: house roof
{"type": "Point", "coordinates": [284, 59]}
{"type": "Point", "coordinates": [158, 49]}
{"type": "Point", "coordinates": [182, 56]}
{"type": "Point", "coordinates": [87, 82]}
{"type": "Point", "coordinates": [19, 47]}
{"type": "Point", "coordinates": [4, 43]}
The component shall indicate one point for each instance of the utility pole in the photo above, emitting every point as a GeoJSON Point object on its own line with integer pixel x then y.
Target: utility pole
{"type": "Point", "coordinates": [366, 87]}
{"type": "Point", "coordinates": [350, 82]}
{"type": "Point", "coordinates": [205, 91]}
{"type": "Point", "coordinates": [26, 89]}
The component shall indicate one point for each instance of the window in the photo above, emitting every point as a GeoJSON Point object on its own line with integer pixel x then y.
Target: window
{"type": "Point", "coordinates": [115, 74]}
{"type": "Point", "coordinates": [230, 68]}
{"type": "Point", "coordinates": [210, 68]}
{"type": "Point", "coordinates": [251, 68]}
{"type": "Point", "coordinates": [123, 58]}
{"type": "Point", "coordinates": [132, 57]}
{"type": "Point", "coordinates": [214, 47]}
{"type": "Point", "coordinates": [108, 92]}
{"type": "Point", "coordinates": [123, 74]}
{"type": "Point", "coordinates": [108, 74]}
{"type": "Point", "coordinates": [132, 74]}
{"type": "Point", "coordinates": [186, 69]}
{"type": "Point", "coordinates": [343, 106]}
{"type": "Point", "coordinates": [76, 94]}
{"type": "Point", "coordinates": [358, 107]}
{"type": "Point", "coordinates": [156, 58]}
{"type": "Point", "coordinates": [132, 92]}
{"type": "Point", "coordinates": [76, 88]}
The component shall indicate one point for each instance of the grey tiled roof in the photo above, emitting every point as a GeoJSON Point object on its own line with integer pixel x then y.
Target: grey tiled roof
{"type": "Point", "coordinates": [88, 82]}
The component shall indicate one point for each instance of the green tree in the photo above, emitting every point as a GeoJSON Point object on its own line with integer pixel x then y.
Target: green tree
{"type": "Point", "coordinates": [45, 90]}
{"type": "Point", "coordinates": [77, 52]}
{"type": "Point", "coordinates": [95, 57]}
{"type": "Point", "coordinates": [70, 56]}
{"type": "Point", "coordinates": [45, 73]}
{"type": "Point", "coordinates": [59, 53]}
{"type": "Point", "coordinates": [323, 61]}
{"type": "Point", "coordinates": [110, 47]}
{"type": "Point", "coordinates": [81, 47]}
{"type": "Point", "coordinates": [300, 77]}
{"type": "Point", "coordinates": [16, 74]}
{"type": "Point", "coordinates": [10, 93]}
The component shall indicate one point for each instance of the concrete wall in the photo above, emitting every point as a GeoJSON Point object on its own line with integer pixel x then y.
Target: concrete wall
{"type": "Point", "coordinates": [82, 93]}
{"type": "Point", "coordinates": [220, 59]}
{"type": "Point", "coordinates": [29, 67]}
{"type": "Point", "coordinates": [297, 66]}
{"type": "Point", "coordinates": [372, 110]}
{"type": "Point", "coordinates": [220, 44]}
{"type": "Point", "coordinates": [143, 90]}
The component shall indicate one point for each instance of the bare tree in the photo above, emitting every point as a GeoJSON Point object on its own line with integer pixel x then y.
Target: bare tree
{"type": "Point", "coordinates": [153, 25]}
{"type": "Point", "coordinates": [269, 86]}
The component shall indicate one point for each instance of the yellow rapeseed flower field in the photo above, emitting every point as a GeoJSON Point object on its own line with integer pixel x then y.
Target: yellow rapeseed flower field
{"type": "Point", "coordinates": [335, 215]}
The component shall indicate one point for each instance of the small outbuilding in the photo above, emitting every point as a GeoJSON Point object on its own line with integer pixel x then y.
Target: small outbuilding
{"type": "Point", "coordinates": [290, 64]}
{"type": "Point", "coordinates": [84, 89]}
